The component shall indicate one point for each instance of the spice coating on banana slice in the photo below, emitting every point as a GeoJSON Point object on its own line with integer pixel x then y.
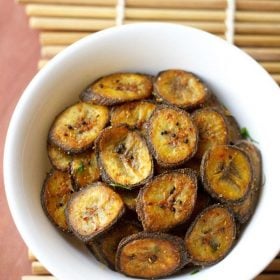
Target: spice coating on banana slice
{"type": "Point", "coordinates": [180, 88]}
{"type": "Point", "coordinates": [124, 157]}
{"type": "Point", "coordinates": [76, 128]}
{"type": "Point", "coordinates": [84, 169]}
{"type": "Point", "coordinates": [55, 194]}
{"type": "Point", "coordinates": [226, 173]}
{"type": "Point", "coordinates": [172, 136]}
{"type": "Point", "coordinates": [93, 210]}
{"type": "Point", "coordinates": [118, 88]}
{"type": "Point", "coordinates": [168, 200]}
{"type": "Point", "coordinates": [133, 114]}
{"type": "Point", "coordinates": [58, 158]}
{"type": "Point", "coordinates": [150, 255]}
{"type": "Point", "coordinates": [211, 236]}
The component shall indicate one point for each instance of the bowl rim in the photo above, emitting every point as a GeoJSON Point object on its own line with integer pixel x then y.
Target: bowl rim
{"type": "Point", "coordinates": [40, 76]}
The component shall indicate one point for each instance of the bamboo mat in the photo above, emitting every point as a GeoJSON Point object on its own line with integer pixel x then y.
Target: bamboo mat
{"type": "Point", "coordinates": [253, 24]}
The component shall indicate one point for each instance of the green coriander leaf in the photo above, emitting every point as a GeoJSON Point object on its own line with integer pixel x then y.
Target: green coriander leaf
{"type": "Point", "coordinates": [195, 271]}
{"type": "Point", "coordinates": [246, 135]}
{"type": "Point", "coordinates": [81, 168]}
{"type": "Point", "coordinates": [119, 186]}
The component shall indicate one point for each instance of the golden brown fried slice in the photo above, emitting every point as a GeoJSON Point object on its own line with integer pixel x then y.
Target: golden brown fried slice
{"type": "Point", "coordinates": [58, 158]}
{"type": "Point", "coordinates": [212, 129]}
{"type": "Point", "coordinates": [211, 236]}
{"type": "Point", "coordinates": [93, 210]}
{"type": "Point", "coordinates": [172, 136]}
{"type": "Point", "coordinates": [84, 169]}
{"type": "Point", "coordinates": [105, 246]}
{"type": "Point", "coordinates": [118, 88]}
{"type": "Point", "coordinates": [75, 129]}
{"type": "Point", "coordinates": [129, 198]}
{"type": "Point", "coordinates": [180, 88]}
{"type": "Point", "coordinates": [124, 157]}
{"type": "Point", "coordinates": [168, 200]}
{"type": "Point", "coordinates": [150, 255]}
{"type": "Point", "coordinates": [133, 114]}
{"type": "Point", "coordinates": [55, 194]}
{"type": "Point", "coordinates": [226, 173]}
{"type": "Point", "coordinates": [245, 209]}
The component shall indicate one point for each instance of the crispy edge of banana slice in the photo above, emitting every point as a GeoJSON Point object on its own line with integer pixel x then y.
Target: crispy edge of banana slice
{"type": "Point", "coordinates": [104, 247]}
{"type": "Point", "coordinates": [94, 93]}
{"type": "Point", "coordinates": [87, 209]}
{"type": "Point", "coordinates": [129, 197]}
{"type": "Point", "coordinates": [224, 126]}
{"type": "Point", "coordinates": [123, 114]}
{"type": "Point", "coordinates": [210, 189]}
{"type": "Point", "coordinates": [84, 165]}
{"type": "Point", "coordinates": [60, 126]}
{"type": "Point", "coordinates": [166, 246]}
{"type": "Point", "coordinates": [152, 145]}
{"type": "Point", "coordinates": [207, 238]}
{"type": "Point", "coordinates": [245, 209]}
{"type": "Point", "coordinates": [203, 90]}
{"type": "Point", "coordinates": [45, 194]}
{"type": "Point", "coordinates": [190, 203]}
{"type": "Point", "coordinates": [58, 158]}
{"type": "Point", "coordinates": [104, 173]}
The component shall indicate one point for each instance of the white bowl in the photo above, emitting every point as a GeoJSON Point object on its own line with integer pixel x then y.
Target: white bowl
{"type": "Point", "coordinates": [244, 86]}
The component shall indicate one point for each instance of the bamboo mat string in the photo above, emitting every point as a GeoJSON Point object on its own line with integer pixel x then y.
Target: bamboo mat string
{"type": "Point", "coordinates": [120, 10]}
{"type": "Point", "coordinates": [230, 21]}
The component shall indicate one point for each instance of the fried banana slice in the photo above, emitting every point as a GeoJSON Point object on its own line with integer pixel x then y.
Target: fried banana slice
{"type": "Point", "coordinates": [58, 158]}
{"type": "Point", "coordinates": [211, 236]}
{"type": "Point", "coordinates": [150, 255]}
{"type": "Point", "coordinates": [167, 201]}
{"type": "Point", "coordinates": [76, 128]}
{"type": "Point", "coordinates": [212, 129]}
{"type": "Point", "coordinates": [84, 169]}
{"type": "Point", "coordinates": [93, 210]}
{"type": "Point", "coordinates": [124, 157]}
{"type": "Point", "coordinates": [226, 174]}
{"type": "Point", "coordinates": [55, 194]}
{"type": "Point", "coordinates": [134, 114]}
{"type": "Point", "coordinates": [245, 209]}
{"type": "Point", "coordinates": [180, 88]}
{"type": "Point", "coordinates": [129, 198]}
{"type": "Point", "coordinates": [118, 88]}
{"type": "Point", "coordinates": [172, 136]}
{"type": "Point", "coordinates": [104, 247]}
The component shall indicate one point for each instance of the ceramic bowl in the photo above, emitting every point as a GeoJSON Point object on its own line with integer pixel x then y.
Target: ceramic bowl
{"type": "Point", "coordinates": [239, 81]}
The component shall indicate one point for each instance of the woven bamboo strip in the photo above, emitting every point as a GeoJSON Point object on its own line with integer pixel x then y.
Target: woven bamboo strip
{"type": "Point", "coordinates": [264, 54]}
{"type": "Point", "coordinates": [61, 38]}
{"type": "Point", "coordinates": [51, 51]}
{"type": "Point", "coordinates": [272, 67]}
{"type": "Point", "coordinates": [38, 269]}
{"type": "Point", "coordinates": [276, 77]}
{"type": "Point", "coordinates": [257, 28]}
{"type": "Point", "coordinates": [70, 24]}
{"type": "Point", "coordinates": [31, 256]}
{"type": "Point", "coordinates": [275, 264]}
{"type": "Point", "coordinates": [253, 5]}
{"type": "Point", "coordinates": [268, 277]}
{"type": "Point", "coordinates": [257, 16]}
{"type": "Point", "coordinates": [38, 10]}
{"type": "Point", "coordinates": [72, 2]}
{"type": "Point", "coordinates": [67, 11]}
{"type": "Point", "coordinates": [174, 14]}
{"type": "Point", "coordinates": [189, 4]}
{"type": "Point", "coordinates": [257, 40]}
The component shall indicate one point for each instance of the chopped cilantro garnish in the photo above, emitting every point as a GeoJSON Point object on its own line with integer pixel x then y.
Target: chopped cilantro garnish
{"type": "Point", "coordinates": [246, 135]}
{"type": "Point", "coordinates": [195, 271]}
{"type": "Point", "coordinates": [81, 168]}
